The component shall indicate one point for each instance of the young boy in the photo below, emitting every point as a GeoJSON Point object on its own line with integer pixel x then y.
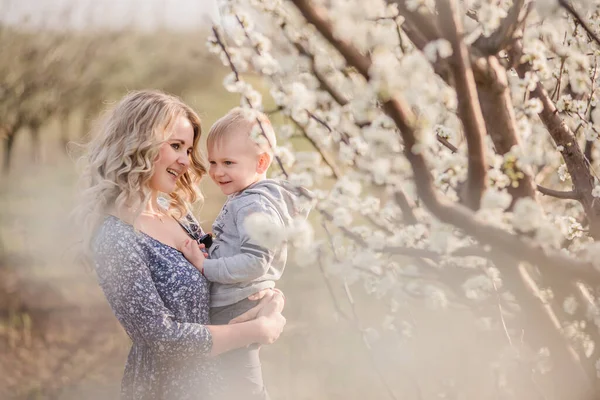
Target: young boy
{"type": "Point", "coordinates": [241, 264]}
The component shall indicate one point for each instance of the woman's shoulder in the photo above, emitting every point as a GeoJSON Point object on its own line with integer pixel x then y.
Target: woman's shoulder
{"type": "Point", "coordinates": [115, 233]}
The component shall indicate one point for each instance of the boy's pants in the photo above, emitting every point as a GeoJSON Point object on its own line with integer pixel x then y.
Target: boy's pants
{"type": "Point", "coordinates": [240, 368]}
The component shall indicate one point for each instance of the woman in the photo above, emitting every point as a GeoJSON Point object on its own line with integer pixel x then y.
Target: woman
{"type": "Point", "coordinates": [146, 146]}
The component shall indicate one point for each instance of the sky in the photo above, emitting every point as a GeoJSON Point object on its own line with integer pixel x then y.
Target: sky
{"type": "Point", "coordinates": [146, 14]}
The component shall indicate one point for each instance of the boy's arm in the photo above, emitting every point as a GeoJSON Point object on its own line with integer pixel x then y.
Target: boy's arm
{"type": "Point", "coordinates": [254, 258]}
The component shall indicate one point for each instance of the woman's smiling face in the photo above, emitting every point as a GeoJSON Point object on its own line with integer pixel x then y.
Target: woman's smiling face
{"type": "Point", "coordinates": [174, 157]}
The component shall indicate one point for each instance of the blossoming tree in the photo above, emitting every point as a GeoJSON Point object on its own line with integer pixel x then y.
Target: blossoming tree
{"type": "Point", "coordinates": [452, 154]}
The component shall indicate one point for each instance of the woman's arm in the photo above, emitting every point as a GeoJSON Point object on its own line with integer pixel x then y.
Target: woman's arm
{"type": "Point", "coordinates": [265, 319]}
{"type": "Point", "coordinates": [126, 281]}
{"type": "Point", "coordinates": [271, 301]}
{"type": "Point", "coordinates": [264, 330]}
{"type": "Point", "coordinates": [128, 286]}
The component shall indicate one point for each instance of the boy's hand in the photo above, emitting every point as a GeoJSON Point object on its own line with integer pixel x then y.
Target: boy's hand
{"type": "Point", "coordinates": [193, 252]}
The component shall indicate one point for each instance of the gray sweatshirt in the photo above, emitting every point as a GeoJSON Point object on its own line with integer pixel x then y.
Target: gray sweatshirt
{"type": "Point", "coordinates": [238, 266]}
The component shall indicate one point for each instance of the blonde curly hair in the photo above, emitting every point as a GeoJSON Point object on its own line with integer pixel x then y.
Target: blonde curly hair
{"type": "Point", "coordinates": [119, 161]}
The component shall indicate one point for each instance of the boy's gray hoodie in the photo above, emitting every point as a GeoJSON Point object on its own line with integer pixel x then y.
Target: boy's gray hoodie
{"type": "Point", "coordinates": [238, 266]}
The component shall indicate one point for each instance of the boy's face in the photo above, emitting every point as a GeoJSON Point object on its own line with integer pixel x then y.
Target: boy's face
{"type": "Point", "coordinates": [234, 163]}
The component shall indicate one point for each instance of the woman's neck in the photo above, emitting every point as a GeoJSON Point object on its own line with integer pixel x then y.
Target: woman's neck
{"type": "Point", "coordinates": [129, 213]}
{"type": "Point", "coordinates": [152, 207]}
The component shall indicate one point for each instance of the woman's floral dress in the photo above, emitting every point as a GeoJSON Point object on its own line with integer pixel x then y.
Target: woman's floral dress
{"type": "Point", "coordinates": [162, 301]}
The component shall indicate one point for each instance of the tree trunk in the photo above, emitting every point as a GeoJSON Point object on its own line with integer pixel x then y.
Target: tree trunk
{"type": "Point", "coordinates": [8, 148]}
{"type": "Point", "coordinates": [36, 149]}
{"type": "Point", "coordinates": [500, 121]}
{"type": "Point", "coordinates": [64, 130]}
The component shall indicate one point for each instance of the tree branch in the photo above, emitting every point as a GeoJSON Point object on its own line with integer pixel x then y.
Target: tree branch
{"type": "Point", "coordinates": [571, 195]}
{"type": "Point", "coordinates": [469, 110]}
{"type": "Point", "coordinates": [423, 21]}
{"type": "Point", "coordinates": [407, 213]}
{"type": "Point", "coordinates": [583, 180]}
{"type": "Point", "coordinates": [459, 216]}
{"type": "Point", "coordinates": [400, 250]}
{"type": "Point", "coordinates": [494, 99]}
{"type": "Point", "coordinates": [504, 34]}
{"type": "Point", "coordinates": [446, 143]}
{"type": "Point", "coordinates": [565, 4]}
{"type": "Point", "coordinates": [324, 155]}
{"type": "Point", "coordinates": [498, 110]}
{"type": "Point", "coordinates": [341, 100]}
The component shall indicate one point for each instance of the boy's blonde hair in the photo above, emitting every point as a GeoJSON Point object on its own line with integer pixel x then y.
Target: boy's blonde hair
{"type": "Point", "coordinates": [245, 120]}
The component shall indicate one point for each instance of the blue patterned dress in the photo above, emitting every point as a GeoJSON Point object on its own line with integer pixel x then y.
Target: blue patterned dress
{"type": "Point", "coordinates": [162, 301]}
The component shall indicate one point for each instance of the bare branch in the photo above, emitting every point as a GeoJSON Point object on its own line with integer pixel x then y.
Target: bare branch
{"type": "Point", "coordinates": [571, 195]}
{"type": "Point", "coordinates": [406, 207]}
{"type": "Point", "coordinates": [472, 14]}
{"type": "Point", "coordinates": [423, 21]}
{"type": "Point", "coordinates": [320, 121]}
{"type": "Point", "coordinates": [587, 152]}
{"type": "Point", "coordinates": [556, 91]}
{"type": "Point", "coordinates": [324, 155]}
{"type": "Point", "coordinates": [221, 44]}
{"type": "Point", "coordinates": [447, 144]}
{"type": "Point", "coordinates": [593, 87]}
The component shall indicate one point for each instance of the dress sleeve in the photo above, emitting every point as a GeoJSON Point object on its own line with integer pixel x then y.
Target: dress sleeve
{"type": "Point", "coordinates": [127, 283]}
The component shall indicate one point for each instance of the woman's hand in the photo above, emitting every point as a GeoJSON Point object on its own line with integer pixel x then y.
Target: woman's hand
{"type": "Point", "coordinates": [270, 327]}
{"type": "Point", "coordinates": [271, 301]}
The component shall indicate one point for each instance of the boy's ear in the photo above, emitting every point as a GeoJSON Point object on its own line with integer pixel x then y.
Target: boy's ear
{"type": "Point", "coordinates": [264, 162]}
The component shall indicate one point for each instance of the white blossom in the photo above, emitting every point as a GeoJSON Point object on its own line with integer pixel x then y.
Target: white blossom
{"type": "Point", "coordinates": [527, 215]}
{"type": "Point", "coordinates": [490, 16]}
{"type": "Point", "coordinates": [263, 230]}
{"type": "Point", "coordinates": [570, 305]}
{"type": "Point", "coordinates": [300, 233]}
{"type": "Point", "coordinates": [563, 173]}
{"type": "Point", "coordinates": [493, 199]}
{"type": "Point", "coordinates": [438, 48]}
{"type": "Point", "coordinates": [303, 179]}
{"type": "Point", "coordinates": [342, 217]}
